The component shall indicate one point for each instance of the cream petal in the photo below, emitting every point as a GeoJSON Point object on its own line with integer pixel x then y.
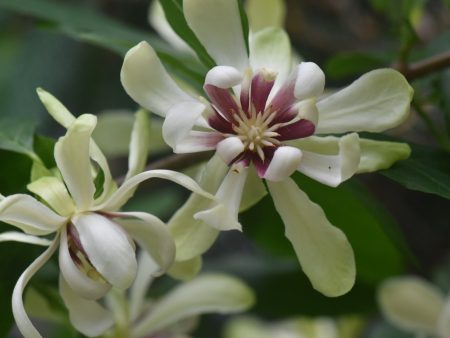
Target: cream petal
{"type": "Point", "coordinates": [29, 215]}
{"type": "Point", "coordinates": [23, 322]}
{"type": "Point", "coordinates": [72, 158]}
{"type": "Point", "coordinates": [109, 248]}
{"type": "Point", "coordinates": [265, 13]}
{"type": "Point", "coordinates": [87, 316]}
{"type": "Point", "coordinates": [229, 148]}
{"type": "Point", "coordinates": [78, 281]}
{"type": "Point", "coordinates": [411, 303]}
{"type": "Point", "coordinates": [310, 81]}
{"type": "Point", "coordinates": [444, 320]}
{"type": "Point", "coordinates": [332, 170]}
{"type": "Point", "coordinates": [283, 164]}
{"type": "Point", "coordinates": [224, 215]}
{"type": "Point", "coordinates": [186, 270]}
{"type": "Point", "coordinates": [377, 101]}
{"type": "Point", "coordinates": [217, 25]}
{"type": "Point", "coordinates": [180, 120]}
{"type": "Point", "coordinates": [224, 77]}
{"type": "Point", "coordinates": [197, 141]}
{"type": "Point", "coordinates": [152, 235]}
{"type": "Point", "coordinates": [23, 238]}
{"type": "Point", "coordinates": [208, 293]}
{"type": "Point", "coordinates": [322, 249]}
{"type": "Point", "coordinates": [254, 190]}
{"type": "Point", "coordinates": [147, 82]}
{"type": "Point", "coordinates": [125, 192]}
{"type": "Point", "coordinates": [55, 108]}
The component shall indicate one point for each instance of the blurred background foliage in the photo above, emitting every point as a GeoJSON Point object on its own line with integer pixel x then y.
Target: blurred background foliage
{"type": "Point", "coordinates": [397, 221]}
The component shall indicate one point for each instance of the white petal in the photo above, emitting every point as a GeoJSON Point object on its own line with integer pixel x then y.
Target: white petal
{"type": "Point", "coordinates": [53, 191]}
{"type": "Point", "coordinates": [78, 281]}
{"type": "Point", "coordinates": [444, 320]}
{"type": "Point", "coordinates": [310, 81]}
{"type": "Point", "coordinates": [109, 249]}
{"type": "Point", "coordinates": [55, 108]}
{"type": "Point", "coordinates": [125, 192]}
{"type": "Point", "coordinates": [322, 249]}
{"type": "Point", "coordinates": [139, 144]}
{"type": "Point", "coordinates": [23, 322]}
{"type": "Point", "coordinates": [377, 101]}
{"type": "Point", "coordinates": [332, 170]}
{"type": "Point", "coordinates": [283, 164]}
{"type": "Point", "coordinates": [411, 303]}
{"type": "Point", "coordinates": [205, 294]}
{"type": "Point", "coordinates": [224, 216]}
{"type": "Point", "coordinates": [152, 235]}
{"type": "Point", "coordinates": [265, 13]}
{"type": "Point", "coordinates": [23, 238]}
{"type": "Point", "coordinates": [271, 49]}
{"type": "Point", "coordinates": [217, 24]}
{"type": "Point", "coordinates": [254, 190]}
{"type": "Point", "coordinates": [193, 237]}
{"type": "Point", "coordinates": [229, 148]}
{"type": "Point", "coordinates": [29, 215]}
{"type": "Point", "coordinates": [180, 120]}
{"type": "Point", "coordinates": [87, 316]}
{"type": "Point", "coordinates": [186, 270]}
{"type": "Point", "coordinates": [108, 184]}
{"type": "Point", "coordinates": [197, 141]}
{"type": "Point", "coordinates": [144, 78]}
{"type": "Point", "coordinates": [72, 158]}
{"type": "Point", "coordinates": [223, 77]}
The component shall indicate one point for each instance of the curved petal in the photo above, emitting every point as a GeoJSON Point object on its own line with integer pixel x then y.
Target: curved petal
{"type": "Point", "coordinates": [152, 235]}
{"type": "Point", "coordinates": [197, 141]}
{"type": "Point", "coordinates": [332, 170]}
{"type": "Point", "coordinates": [322, 249]}
{"type": "Point", "coordinates": [224, 215]}
{"type": "Point", "coordinates": [223, 77]}
{"type": "Point", "coordinates": [283, 164]}
{"type": "Point", "coordinates": [53, 191]}
{"type": "Point", "coordinates": [23, 322]}
{"type": "Point", "coordinates": [254, 190]}
{"type": "Point", "coordinates": [180, 120]}
{"type": "Point", "coordinates": [109, 249]}
{"type": "Point", "coordinates": [205, 294]}
{"type": "Point", "coordinates": [23, 238]}
{"type": "Point", "coordinates": [411, 303]}
{"type": "Point", "coordinates": [265, 13]}
{"type": "Point", "coordinates": [310, 81]}
{"type": "Point", "coordinates": [29, 215]}
{"type": "Point", "coordinates": [193, 237]}
{"type": "Point", "coordinates": [72, 158]}
{"type": "Point", "coordinates": [55, 108]}
{"type": "Point", "coordinates": [444, 320]}
{"type": "Point", "coordinates": [271, 49]}
{"type": "Point", "coordinates": [186, 270]}
{"type": "Point", "coordinates": [229, 148]}
{"type": "Point", "coordinates": [87, 316]}
{"type": "Point", "coordinates": [144, 78]}
{"type": "Point", "coordinates": [217, 25]}
{"type": "Point", "coordinates": [377, 101]}
{"type": "Point", "coordinates": [78, 281]}
{"type": "Point", "coordinates": [125, 192]}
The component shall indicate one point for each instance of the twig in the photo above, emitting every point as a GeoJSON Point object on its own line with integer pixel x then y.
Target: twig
{"type": "Point", "coordinates": [424, 67]}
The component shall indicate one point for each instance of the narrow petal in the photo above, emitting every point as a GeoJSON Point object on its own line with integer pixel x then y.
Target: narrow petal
{"type": "Point", "coordinates": [198, 141]}
{"type": "Point", "coordinates": [444, 320]}
{"type": "Point", "coordinates": [186, 270]}
{"type": "Point", "coordinates": [23, 238]}
{"type": "Point", "coordinates": [53, 191]}
{"type": "Point", "coordinates": [144, 78]}
{"type": "Point", "coordinates": [377, 101]}
{"type": "Point", "coordinates": [411, 303]}
{"type": "Point", "coordinates": [208, 293]}
{"type": "Point", "coordinates": [29, 215]}
{"type": "Point", "coordinates": [224, 216]}
{"type": "Point", "coordinates": [265, 13]}
{"type": "Point", "coordinates": [87, 316]}
{"type": "Point", "coordinates": [23, 322]}
{"type": "Point", "coordinates": [283, 164]}
{"type": "Point", "coordinates": [271, 49]}
{"type": "Point", "coordinates": [218, 27]}
{"type": "Point", "coordinates": [223, 101]}
{"type": "Point", "coordinates": [72, 158]}
{"type": "Point", "coordinates": [139, 144]}
{"type": "Point", "coordinates": [230, 148]}
{"type": "Point", "coordinates": [109, 249]}
{"type": "Point", "coordinates": [152, 235]}
{"type": "Point", "coordinates": [79, 282]}
{"type": "Point", "coordinates": [254, 190]}
{"type": "Point", "coordinates": [224, 77]}
{"type": "Point", "coordinates": [124, 193]}
{"type": "Point", "coordinates": [180, 120]}
{"type": "Point", "coordinates": [332, 170]}
{"type": "Point", "coordinates": [322, 249]}
{"type": "Point", "coordinates": [296, 130]}
{"type": "Point", "coordinates": [262, 84]}
{"type": "Point", "coordinates": [55, 108]}
{"type": "Point", "coordinates": [193, 237]}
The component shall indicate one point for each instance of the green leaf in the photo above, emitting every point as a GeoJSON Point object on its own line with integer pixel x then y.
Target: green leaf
{"type": "Point", "coordinates": [14, 172]}
{"type": "Point", "coordinates": [173, 10]}
{"type": "Point", "coordinates": [353, 64]}
{"type": "Point", "coordinates": [427, 170]}
{"type": "Point", "coordinates": [244, 23]}
{"type": "Point", "coordinates": [17, 135]}
{"type": "Point", "coordinates": [44, 148]}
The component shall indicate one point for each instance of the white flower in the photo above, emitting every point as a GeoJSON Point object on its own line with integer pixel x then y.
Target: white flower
{"type": "Point", "coordinates": [263, 113]}
{"type": "Point", "coordinates": [96, 241]}
{"type": "Point", "coordinates": [415, 305]}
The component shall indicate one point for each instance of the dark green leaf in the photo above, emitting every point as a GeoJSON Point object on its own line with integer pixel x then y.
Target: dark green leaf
{"type": "Point", "coordinates": [427, 170]}
{"type": "Point", "coordinates": [173, 10]}
{"type": "Point", "coordinates": [44, 148]}
{"type": "Point", "coordinates": [14, 172]}
{"type": "Point", "coordinates": [244, 23]}
{"type": "Point", "coordinates": [353, 64]}
{"type": "Point", "coordinates": [17, 135]}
